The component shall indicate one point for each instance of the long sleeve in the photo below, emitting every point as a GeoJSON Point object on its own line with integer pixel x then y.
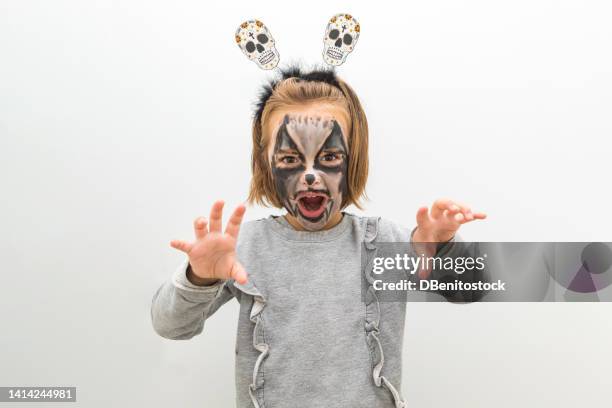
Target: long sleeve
{"type": "Point", "coordinates": [457, 248]}
{"type": "Point", "coordinates": [180, 308]}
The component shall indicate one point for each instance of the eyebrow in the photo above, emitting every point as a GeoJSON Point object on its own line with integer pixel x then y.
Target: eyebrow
{"type": "Point", "coordinates": [293, 151]}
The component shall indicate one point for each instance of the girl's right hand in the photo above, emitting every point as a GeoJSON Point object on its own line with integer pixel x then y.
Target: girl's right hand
{"type": "Point", "coordinates": [212, 256]}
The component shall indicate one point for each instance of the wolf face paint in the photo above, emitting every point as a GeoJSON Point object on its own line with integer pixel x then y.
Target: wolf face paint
{"type": "Point", "coordinates": [309, 167]}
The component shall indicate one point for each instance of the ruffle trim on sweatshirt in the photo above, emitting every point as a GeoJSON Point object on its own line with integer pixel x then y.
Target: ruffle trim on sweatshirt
{"type": "Point", "coordinates": [256, 390]}
{"type": "Point", "coordinates": [373, 315]}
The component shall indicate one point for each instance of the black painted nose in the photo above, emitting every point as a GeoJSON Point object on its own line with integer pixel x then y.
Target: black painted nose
{"type": "Point", "coordinates": [310, 178]}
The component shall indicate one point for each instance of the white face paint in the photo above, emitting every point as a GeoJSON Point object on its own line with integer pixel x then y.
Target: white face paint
{"type": "Point", "coordinates": [309, 161]}
{"type": "Point", "coordinates": [257, 43]}
{"type": "Point", "coordinates": [341, 36]}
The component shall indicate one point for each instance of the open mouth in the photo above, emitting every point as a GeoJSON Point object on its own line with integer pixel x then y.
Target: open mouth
{"type": "Point", "coordinates": [312, 204]}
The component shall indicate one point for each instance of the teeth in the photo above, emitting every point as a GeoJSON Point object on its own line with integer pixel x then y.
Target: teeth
{"type": "Point", "coordinates": [334, 53]}
{"type": "Point", "coordinates": [266, 57]}
{"type": "Point", "coordinates": [311, 195]}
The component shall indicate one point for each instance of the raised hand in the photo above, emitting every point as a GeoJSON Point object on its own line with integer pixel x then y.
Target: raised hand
{"type": "Point", "coordinates": [442, 222]}
{"type": "Point", "coordinates": [439, 225]}
{"type": "Point", "coordinates": [212, 255]}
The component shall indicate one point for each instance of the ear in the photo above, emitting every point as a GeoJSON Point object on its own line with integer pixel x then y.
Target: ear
{"type": "Point", "coordinates": [256, 42]}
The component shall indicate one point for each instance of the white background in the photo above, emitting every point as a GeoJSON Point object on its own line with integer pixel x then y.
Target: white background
{"type": "Point", "coordinates": [120, 121]}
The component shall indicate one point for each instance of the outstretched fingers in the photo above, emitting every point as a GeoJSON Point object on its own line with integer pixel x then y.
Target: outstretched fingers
{"type": "Point", "coordinates": [466, 215]}
{"type": "Point", "coordinates": [200, 227]}
{"type": "Point", "coordinates": [182, 246]}
{"type": "Point", "coordinates": [454, 212]}
{"type": "Point", "coordinates": [440, 206]}
{"type": "Point", "coordinates": [216, 214]}
{"type": "Point", "coordinates": [422, 217]}
{"type": "Point", "coordinates": [233, 225]}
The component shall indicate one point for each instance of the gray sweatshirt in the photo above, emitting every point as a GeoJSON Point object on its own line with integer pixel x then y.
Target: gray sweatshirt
{"type": "Point", "coordinates": [306, 336]}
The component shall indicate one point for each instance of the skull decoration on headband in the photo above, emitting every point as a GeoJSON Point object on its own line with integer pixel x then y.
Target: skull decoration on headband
{"type": "Point", "coordinates": [341, 36]}
{"type": "Point", "coordinates": [255, 40]}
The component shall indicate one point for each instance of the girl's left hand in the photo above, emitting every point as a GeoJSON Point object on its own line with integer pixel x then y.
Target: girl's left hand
{"type": "Point", "coordinates": [442, 222]}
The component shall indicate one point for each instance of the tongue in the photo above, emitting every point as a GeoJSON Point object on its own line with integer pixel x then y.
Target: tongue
{"type": "Point", "coordinates": [312, 207]}
{"type": "Point", "coordinates": [312, 203]}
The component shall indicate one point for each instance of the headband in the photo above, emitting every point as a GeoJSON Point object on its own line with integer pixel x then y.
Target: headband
{"type": "Point", "coordinates": [326, 75]}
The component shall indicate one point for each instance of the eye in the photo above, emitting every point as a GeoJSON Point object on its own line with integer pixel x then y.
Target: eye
{"type": "Point", "coordinates": [347, 39]}
{"type": "Point", "coordinates": [250, 46]}
{"type": "Point", "coordinates": [262, 38]}
{"type": "Point", "coordinates": [330, 157]}
{"type": "Point", "coordinates": [333, 34]}
{"type": "Point", "coordinates": [289, 159]}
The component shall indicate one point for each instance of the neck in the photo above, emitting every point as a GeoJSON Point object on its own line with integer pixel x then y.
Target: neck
{"type": "Point", "coordinates": [333, 221]}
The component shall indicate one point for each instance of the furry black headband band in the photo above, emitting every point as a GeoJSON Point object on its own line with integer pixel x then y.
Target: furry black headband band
{"type": "Point", "coordinates": [327, 75]}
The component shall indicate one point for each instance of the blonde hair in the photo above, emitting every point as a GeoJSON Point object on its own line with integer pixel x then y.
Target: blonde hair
{"type": "Point", "coordinates": [299, 89]}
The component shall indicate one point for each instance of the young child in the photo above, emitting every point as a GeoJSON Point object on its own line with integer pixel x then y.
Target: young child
{"type": "Point", "coordinates": [306, 337]}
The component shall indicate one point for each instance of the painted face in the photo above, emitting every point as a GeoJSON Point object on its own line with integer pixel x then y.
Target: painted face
{"type": "Point", "coordinates": [309, 167]}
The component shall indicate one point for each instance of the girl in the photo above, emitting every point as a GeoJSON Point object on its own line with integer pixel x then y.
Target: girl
{"type": "Point", "coordinates": [305, 338]}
